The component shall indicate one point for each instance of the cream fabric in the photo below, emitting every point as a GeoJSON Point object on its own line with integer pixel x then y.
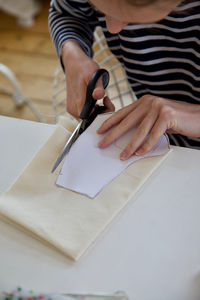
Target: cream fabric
{"type": "Point", "coordinates": [88, 169]}
{"type": "Point", "coordinates": [67, 220]}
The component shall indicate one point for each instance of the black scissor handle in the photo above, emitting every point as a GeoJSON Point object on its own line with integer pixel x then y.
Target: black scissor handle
{"type": "Point", "coordinates": [90, 101]}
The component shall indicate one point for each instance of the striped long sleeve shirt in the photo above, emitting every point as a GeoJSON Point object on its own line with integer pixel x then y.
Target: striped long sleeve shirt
{"type": "Point", "coordinates": [161, 58]}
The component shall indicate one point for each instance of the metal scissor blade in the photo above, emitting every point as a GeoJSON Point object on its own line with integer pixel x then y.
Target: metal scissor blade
{"type": "Point", "coordinates": [67, 147]}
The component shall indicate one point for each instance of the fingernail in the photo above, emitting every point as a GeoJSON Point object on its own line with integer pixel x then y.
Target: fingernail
{"type": "Point", "coordinates": [139, 151]}
{"type": "Point", "coordinates": [101, 144]}
{"type": "Point", "coordinates": [124, 155]}
{"type": "Point", "coordinates": [99, 130]}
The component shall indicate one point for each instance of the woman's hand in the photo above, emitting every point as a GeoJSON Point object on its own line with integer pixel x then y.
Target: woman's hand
{"type": "Point", "coordinates": [79, 68]}
{"type": "Point", "coordinates": [152, 116]}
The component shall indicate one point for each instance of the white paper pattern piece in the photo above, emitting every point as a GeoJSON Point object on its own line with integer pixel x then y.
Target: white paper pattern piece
{"type": "Point", "coordinates": [88, 169]}
{"type": "Point", "coordinates": [65, 220]}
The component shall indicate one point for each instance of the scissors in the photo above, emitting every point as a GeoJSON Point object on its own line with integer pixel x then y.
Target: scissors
{"type": "Point", "coordinates": [88, 113]}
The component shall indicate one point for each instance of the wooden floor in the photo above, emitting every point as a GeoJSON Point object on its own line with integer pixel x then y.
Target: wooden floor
{"type": "Point", "coordinates": [29, 53]}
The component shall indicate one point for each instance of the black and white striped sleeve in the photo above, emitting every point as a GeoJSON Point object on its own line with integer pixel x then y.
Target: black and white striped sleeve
{"type": "Point", "coordinates": [72, 20]}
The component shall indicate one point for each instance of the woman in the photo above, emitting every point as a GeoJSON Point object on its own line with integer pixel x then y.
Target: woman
{"type": "Point", "coordinates": [158, 43]}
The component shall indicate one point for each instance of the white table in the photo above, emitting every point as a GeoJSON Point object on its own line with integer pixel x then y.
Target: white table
{"type": "Point", "coordinates": [151, 251]}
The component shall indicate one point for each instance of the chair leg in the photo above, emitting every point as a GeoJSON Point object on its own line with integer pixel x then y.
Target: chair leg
{"type": "Point", "coordinates": [16, 93]}
{"type": "Point", "coordinates": [18, 97]}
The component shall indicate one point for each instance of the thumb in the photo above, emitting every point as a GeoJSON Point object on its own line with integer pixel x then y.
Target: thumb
{"type": "Point", "coordinates": [99, 91]}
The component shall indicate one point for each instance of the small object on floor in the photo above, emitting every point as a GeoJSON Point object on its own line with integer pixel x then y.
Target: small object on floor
{"type": "Point", "coordinates": [24, 10]}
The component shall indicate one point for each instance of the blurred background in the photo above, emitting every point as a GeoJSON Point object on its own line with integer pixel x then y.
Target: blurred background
{"type": "Point", "coordinates": [27, 50]}
{"type": "Point", "coordinates": [32, 83]}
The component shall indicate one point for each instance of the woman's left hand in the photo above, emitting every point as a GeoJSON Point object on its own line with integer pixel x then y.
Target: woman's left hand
{"type": "Point", "coordinates": [153, 116]}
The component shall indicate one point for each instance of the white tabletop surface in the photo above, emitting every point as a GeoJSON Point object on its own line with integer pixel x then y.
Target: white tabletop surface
{"type": "Point", "coordinates": [151, 250]}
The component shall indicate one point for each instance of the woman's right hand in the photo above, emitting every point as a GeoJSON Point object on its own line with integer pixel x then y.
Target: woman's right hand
{"type": "Point", "coordinates": [78, 69]}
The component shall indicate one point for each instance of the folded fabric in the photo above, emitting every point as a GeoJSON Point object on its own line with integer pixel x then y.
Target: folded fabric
{"type": "Point", "coordinates": [67, 220]}
{"type": "Point", "coordinates": [87, 169]}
